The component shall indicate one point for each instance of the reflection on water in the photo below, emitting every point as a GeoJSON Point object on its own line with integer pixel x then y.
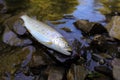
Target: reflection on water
{"type": "Point", "coordinates": [110, 6]}
{"type": "Point", "coordinates": [86, 10]}
{"type": "Point", "coordinates": [51, 9]}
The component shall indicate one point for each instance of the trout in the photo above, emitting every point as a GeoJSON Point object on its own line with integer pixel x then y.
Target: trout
{"type": "Point", "coordinates": [46, 35]}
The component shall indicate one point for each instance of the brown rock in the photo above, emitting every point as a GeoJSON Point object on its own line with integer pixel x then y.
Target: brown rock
{"type": "Point", "coordinates": [55, 73]}
{"type": "Point", "coordinates": [14, 59]}
{"type": "Point", "coordinates": [77, 72]}
{"type": "Point", "coordinates": [83, 25]}
{"type": "Point", "coordinates": [99, 43]}
{"type": "Point", "coordinates": [113, 27]}
{"type": "Point", "coordinates": [90, 27]}
{"type": "Point", "coordinates": [116, 69]}
{"type": "Point", "coordinates": [40, 58]}
{"type": "Point", "coordinates": [66, 29]}
{"type": "Point", "coordinates": [9, 37]}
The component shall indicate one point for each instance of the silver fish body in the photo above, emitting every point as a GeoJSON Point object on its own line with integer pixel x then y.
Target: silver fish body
{"type": "Point", "coordinates": [46, 35]}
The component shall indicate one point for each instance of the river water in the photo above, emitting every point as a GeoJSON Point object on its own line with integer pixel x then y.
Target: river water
{"type": "Point", "coordinates": [17, 46]}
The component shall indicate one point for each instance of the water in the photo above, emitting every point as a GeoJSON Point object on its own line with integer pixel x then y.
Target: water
{"type": "Point", "coordinates": [88, 11]}
{"type": "Point", "coordinates": [18, 48]}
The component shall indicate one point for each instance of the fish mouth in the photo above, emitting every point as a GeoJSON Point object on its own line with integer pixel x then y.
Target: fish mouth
{"type": "Point", "coordinates": [67, 53]}
{"type": "Point", "coordinates": [69, 49]}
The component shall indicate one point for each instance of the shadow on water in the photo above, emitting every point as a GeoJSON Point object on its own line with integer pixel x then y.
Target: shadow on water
{"type": "Point", "coordinates": [21, 54]}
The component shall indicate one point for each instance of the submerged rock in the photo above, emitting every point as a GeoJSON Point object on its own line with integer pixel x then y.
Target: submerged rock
{"type": "Point", "coordinates": [113, 27]}
{"type": "Point", "coordinates": [40, 58]}
{"type": "Point", "coordinates": [104, 70]}
{"type": "Point", "coordinates": [77, 72]}
{"type": "Point", "coordinates": [3, 17]}
{"type": "Point", "coordinates": [13, 31]}
{"type": "Point", "coordinates": [14, 59]}
{"type": "Point", "coordinates": [15, 24]}
{"type": "Point", "coordinates": [19, 28]}
{"type": "Point", "coordinates": [84, 25]}
{"type": "Point", "coordinates": [116, 69]}
{"type": "Point", "coordinates": [97, 76]}
{"type": "Point", "coordinates": [2, 6]}
{"type": "Point", "coordinates": [55, 73]}
{"type": "Point", "coordinates": [90, 27]}
{"type": "Point", "coordinates": [98, 29]}
{"type": "Point", "coordinates": [68, 16]}
{"type": "Point", "coordinates": [66, 29]}
{"type": "Point", "coordinates": [99, 43]}
{"type": "Point", "coordinates": [58, 22]}
{"type": "Point", "coordinates": [98, 58]}
{"type": "Point", "coordinates": [9, 37]}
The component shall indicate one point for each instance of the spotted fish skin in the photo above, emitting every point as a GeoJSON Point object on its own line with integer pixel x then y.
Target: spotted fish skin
{"type": "Point", "coordinates": [46, 35]}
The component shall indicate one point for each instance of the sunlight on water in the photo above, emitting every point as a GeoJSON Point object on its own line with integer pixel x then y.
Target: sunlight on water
{"type": "Point", "coordinates": [86, 11]}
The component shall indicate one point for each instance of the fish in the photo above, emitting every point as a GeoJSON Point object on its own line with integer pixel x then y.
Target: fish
{"type": "Point", "coordinates": [46, 35]}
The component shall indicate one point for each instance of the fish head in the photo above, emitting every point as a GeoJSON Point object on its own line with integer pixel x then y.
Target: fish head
{"type": "Point", "coordinates": [65, 45]}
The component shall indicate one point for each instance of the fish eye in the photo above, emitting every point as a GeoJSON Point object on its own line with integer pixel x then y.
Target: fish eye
{"type": "Point", "coordinates": [66, 46]}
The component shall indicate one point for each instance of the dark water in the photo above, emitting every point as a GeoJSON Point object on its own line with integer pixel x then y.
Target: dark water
{"type": "Point", "coordinates": [17, 47]}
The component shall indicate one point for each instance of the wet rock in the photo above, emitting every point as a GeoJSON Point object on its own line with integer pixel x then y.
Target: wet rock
{"type": "Point", "coordinates": [19, 28]}
{"type": "Point", "coordinates": [11, 38]}
{"type": "Point", "coordinates": [21, 76]}
{"type": "Point", "coordinates": [89, 27]}
{"type": "Point", "coordinates": [16, 24]}
{"type": "Point", "coordinates": [118, 52]}
{"type": "Point", "coordinates": [104, 70]}
{"type": "Point", "coordinates": [98, 58]}
{"type": "Point", "coordinates": [55, 73]}
{"type": "Point", "coordinates": [40, 58]}
{"type": "Point", "coordinates": [113, 27]}
{"type": "Point", "coordinates": [58, 22]}
{"type": "Point", "coordinates": [97, 76]}
{"type": "Point", "coordinates": [106, 56]}
{"type": "Point", "coordinates": [68, 16]}
{"type": "Point", "coordinates": [77, 72]}
{"type": "Point", "coordinates": [2, 6]}
{"type": "Point", "coordinates": [84, 25]}
{"type": "Point", "coordinates": [66, 29]}
{"type": "Point", "coordinates": [4, 48]}
{"type": "Point", "coordinates": [15, 58]}
{"type": "Point", "coordinates": [99, 43]}
{"type": "Point", "coordinates": [98, 29]}
{"type": "Point", "coordinates": [101, 58]}
{"type": "Point", "coordinates": [116, 68]}
{"type": "Point", "coordinates": [3, 17]}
